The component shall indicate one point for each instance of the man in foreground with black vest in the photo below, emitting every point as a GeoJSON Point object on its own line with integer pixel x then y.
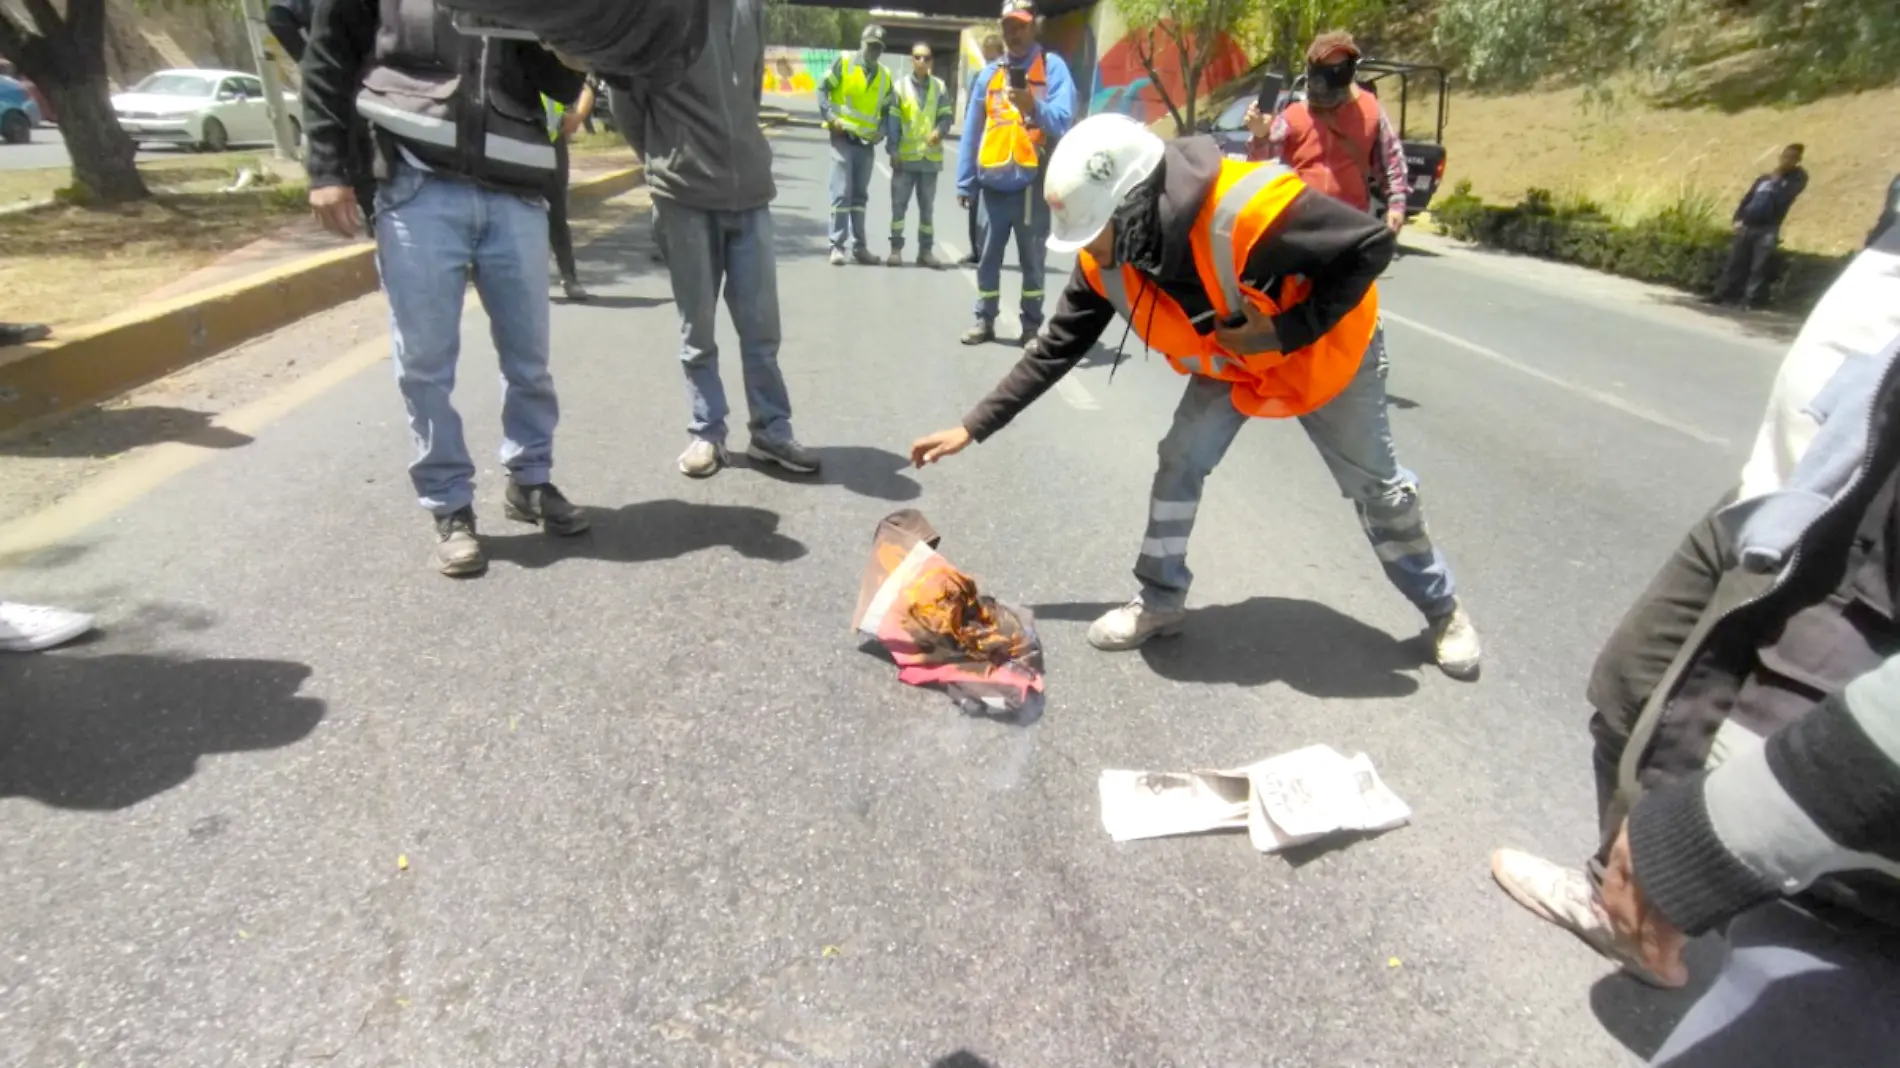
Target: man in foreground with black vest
{"type": "Point", "coordinates": [461, 161]}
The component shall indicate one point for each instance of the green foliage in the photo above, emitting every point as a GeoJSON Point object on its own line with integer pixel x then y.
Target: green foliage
{"type": "Point", "coordinates": [1290, 25]}
{"type": "Point", "coordinates": [1189, 31]}
{"type": "Point", "coordinates": [812, 27]}
{"type": "Point", "coordinates": [1683, 244]}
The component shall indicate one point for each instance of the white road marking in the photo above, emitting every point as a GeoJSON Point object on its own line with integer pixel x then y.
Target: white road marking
{"type": "Point", "coordinates": [1077, 394]}
{"type": "Point", "coordinates": [1610, 400]}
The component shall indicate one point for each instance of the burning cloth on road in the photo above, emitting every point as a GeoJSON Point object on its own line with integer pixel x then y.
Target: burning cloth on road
{"type": "Point", "coordinates": [941, 631]}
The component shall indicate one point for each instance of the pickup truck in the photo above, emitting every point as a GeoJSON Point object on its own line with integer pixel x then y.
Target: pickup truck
{"type": "Point", "coordinates": [1393, 83]}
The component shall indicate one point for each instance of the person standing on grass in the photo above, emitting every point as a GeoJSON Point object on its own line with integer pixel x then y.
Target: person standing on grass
{"type": "Point", "coordinates": [1757, 221]}
{"type": "Point", "coordinates": [915, 131]}
{"type": "Point", "coordinates": [462, 166]}
{"type": "Point", "coordinates": [710, 170]}
{"type": "Point", "coordinates": [992, 51]}
{"type": "Point", "coordinates": [562, 124]}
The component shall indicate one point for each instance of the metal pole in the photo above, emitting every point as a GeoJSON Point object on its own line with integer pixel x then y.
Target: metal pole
{"type": "Point", "coordinates": [255, 29]}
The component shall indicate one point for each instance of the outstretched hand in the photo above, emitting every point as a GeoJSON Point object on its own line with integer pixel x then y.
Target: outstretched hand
{"type": "Point", "coordinates": [933, 447]}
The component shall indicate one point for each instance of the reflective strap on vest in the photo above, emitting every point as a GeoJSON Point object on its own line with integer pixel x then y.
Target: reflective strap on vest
{"type": "Point", "coordinates": [1115, 291]}
{"type": "Point", "coordinates": [1227, 216]}
{"type": "Point", "coordinates": [429, 130]}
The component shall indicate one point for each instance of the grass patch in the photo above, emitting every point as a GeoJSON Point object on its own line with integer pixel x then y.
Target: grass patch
{"type": "Point", "coordinates": [66, 264]}
{"type": "Point", "coordinates": [187, 171]}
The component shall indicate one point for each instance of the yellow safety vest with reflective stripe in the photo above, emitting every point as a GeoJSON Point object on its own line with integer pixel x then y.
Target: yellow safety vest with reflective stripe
{"type": "Point", "coordinates": [857, 101]}
{"type": "Point", "coordinates": [555, 112]}
{"type": "Point", "coordinates": [919, 120]}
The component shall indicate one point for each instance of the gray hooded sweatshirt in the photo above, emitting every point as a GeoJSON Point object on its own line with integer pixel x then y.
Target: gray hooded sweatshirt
{"type": "Point", "coordinates": [700, 135]}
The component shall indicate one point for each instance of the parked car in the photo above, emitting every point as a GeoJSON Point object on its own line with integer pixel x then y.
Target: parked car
{"type": "Point", "coordinates": [19, 112]}
{"type": "Point", "coordinates": [209, 110]}
{"type": "Point", "coordinates": [48, 116]}
{"type": "Point", "coordinates": [1420, 122]}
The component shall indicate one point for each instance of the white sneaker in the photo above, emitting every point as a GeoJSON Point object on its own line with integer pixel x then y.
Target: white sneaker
{"type": "Point", "coordinates": [1455, 645]}
{"type": "Point", "coordinates": [703, 459]}
{"type": "Point", "coordinates": [1132, 624]}
{"type": "Point", "coordinates": [28, 628]}
{"type": "Point", "coordinates": [1565, 897]}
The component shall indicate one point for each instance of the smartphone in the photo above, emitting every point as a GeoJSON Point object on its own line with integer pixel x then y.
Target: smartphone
{"type": "Point", "coordinates": [1018, 78]}
{"type": "Point", "coordinates": [1269, 97]}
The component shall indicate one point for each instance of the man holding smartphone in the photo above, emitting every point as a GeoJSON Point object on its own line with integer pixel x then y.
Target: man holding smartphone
{"type": "Point", "coordinates": [1027, 103]}
{"type": "Point", "coordinates": [1338, 140]}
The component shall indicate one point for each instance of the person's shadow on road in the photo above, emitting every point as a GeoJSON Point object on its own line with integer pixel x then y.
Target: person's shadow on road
{"type": "Point", "coordinates": [1306, 645]}
{"type": "Point", "coordinates": [654, 530]}
{"type": "Point", "coordinates": [865, 471]}
{"type": "Point", "coordinates": [106, 731]}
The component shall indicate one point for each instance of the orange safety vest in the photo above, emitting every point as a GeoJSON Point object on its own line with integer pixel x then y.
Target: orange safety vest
{"type": "Point", "coordinates": [1333, 149]}
{"type": "Point", "coordinates": [1246, 199]}
{"type": "Point", "coordinates": [1011, 152]}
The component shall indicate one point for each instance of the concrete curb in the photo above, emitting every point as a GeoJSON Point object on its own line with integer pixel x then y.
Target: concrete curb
{"type": "Point", "coordinates": [103, 359]}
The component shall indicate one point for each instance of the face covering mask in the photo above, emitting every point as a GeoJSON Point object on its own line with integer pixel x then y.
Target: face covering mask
{"type": "Point", "coordinates": [1334, 78]}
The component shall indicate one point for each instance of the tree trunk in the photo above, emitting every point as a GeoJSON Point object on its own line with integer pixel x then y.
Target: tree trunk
{"type": "Point", "coordinates": [101, 152]}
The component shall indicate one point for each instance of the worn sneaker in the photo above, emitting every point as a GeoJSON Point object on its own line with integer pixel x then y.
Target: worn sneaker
{"type": "Point", "coordinates": [837, 257]}
{"type": "Point", "coordinates": [788, 454]}
{"type": "Point", "coordinates": [982, 333]}
{"type": "Point", "coordinates": [28, 628]}
{"type": "Point", "coordinates": [458, 551]}
{"type": "Point", "coordinates": [1455, 644]}
{"type": "Point", "coordinates": [545, 507]}
{"type": "Point", "coordinates": [1132, 624]}
{"type": "Point", "coordinates": [969, 260]}
{"type": "Point", "coordinates": [573, 290]}
{"type": "Point", "coordinates": [929, 259]}
{"type": "Point", "coordinates": [896, 259]}
{"type": "Point", "coordinates": [1565, 897]}
{"type": "Point", "coordinates": [23, 333]}
{"type": "Point", "coordinates": [703, 459]}
{"type": "Point", "coordinates": [865, 257]}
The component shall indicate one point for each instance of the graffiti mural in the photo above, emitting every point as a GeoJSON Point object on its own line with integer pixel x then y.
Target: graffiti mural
{"type": "Point", "coordinates": [1123, 84]}
{"type": "Point", "coordinates": [796, 70]}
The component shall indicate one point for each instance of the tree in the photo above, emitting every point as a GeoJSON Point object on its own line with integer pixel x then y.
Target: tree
{"type": "Point", "coordinates": [1183, 36]}
{"type": "Point", "coordinates": [65, 55]}
{"type": "Point", "coordinates": [805, 26]}
{"type": "Point", "coordinates": [1291, 25]}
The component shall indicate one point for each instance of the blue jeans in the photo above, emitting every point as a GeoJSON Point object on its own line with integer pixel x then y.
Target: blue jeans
{"type": "Point", "coordinates": [707, 251]}
{"type": "Point", "coordinates": [1352, 435]}
{"type": "Point", "coordinates": [1024, 214]}
{"type": "Point", "coordinates": [903, 184]}
{"type": "Point", "coordinates": [430, 232]}
{"type": "Point", "coordinates": [851, 165]}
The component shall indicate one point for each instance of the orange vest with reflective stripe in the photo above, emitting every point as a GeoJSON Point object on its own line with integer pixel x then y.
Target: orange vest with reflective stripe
{"type": "Point", "coordinates": [1245, 201]}
{"type": "Point", "coordinates": [1010, 149]}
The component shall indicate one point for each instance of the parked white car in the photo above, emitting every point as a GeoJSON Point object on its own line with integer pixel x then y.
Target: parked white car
{"type": "Point", "coordinates": [209, 110]}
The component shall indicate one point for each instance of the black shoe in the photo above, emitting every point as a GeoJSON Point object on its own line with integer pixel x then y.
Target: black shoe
{"type": "Point", "coordinates": [23, 333]}
{"type": "Point", "coordinates": [981, 334]}
{"type": "Point", "coordinates": [968, 261]}
{"type": "Point", "coordinates": [458, 552]}
{"type": "Point", "coordinates": [545, 507]}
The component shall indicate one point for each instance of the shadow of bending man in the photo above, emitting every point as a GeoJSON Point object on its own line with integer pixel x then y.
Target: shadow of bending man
{"type": "Point", "coordinates": [109, 731]}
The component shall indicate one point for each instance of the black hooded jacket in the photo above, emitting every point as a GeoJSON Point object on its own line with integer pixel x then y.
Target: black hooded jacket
{"type": "Point", "coordinates": [1339, 249]}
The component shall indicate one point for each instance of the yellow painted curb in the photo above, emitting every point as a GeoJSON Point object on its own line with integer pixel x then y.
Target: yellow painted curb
{"type": "Point", "coordinates": [106, 358]}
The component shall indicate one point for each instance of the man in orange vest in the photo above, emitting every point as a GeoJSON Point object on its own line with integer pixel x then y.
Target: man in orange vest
{"type": "Point", "coordinates": [1261, 291]}
{"type": "Point", "coordinates": [1338, 140]}
{"type": "Point", "coordinates": [1026, 102]}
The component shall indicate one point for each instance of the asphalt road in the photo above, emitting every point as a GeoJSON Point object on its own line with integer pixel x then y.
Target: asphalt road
{"type": "Point", "coordinates": [48, 149]}
{"type": "Point", "coordinates": [640, 799]}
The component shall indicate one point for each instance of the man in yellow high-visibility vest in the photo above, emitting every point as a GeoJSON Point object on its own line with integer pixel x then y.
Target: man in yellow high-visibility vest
{"type": "Point", "coordinates": [918, 121]}
{"type": "Point", "coordinates": [853, 100]}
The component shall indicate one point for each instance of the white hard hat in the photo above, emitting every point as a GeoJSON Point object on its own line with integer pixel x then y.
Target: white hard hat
{"type": "Point", "coordinates": [1094, 166]}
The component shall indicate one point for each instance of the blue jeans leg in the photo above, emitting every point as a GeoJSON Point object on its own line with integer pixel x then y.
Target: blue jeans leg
{"type": "Point", "coordinates": [425, 239]}
{"type": "Point", "coordinates": [863, 166]}
{"type": "Point", "coordinates": [903, 184]}
{"type": "Point", "coordinates": [840, 192]}
{"type": "Point", "coordinates": [1204, 426]}
{"type": "Point", "coordinates": [999, 214]}
{"type": "Point", "coordinates": [752, 298]}
{"type": "Point", "coordinates": [926, 210]}
{"type": "Point", "coordinates": [1354, 436]}
{"type": "Point", "coordinates": [1032, 246]}
{"type": "Point", "coordinates": [696, 264]}
{"type": "Point", "coordinates": [511, 255]}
